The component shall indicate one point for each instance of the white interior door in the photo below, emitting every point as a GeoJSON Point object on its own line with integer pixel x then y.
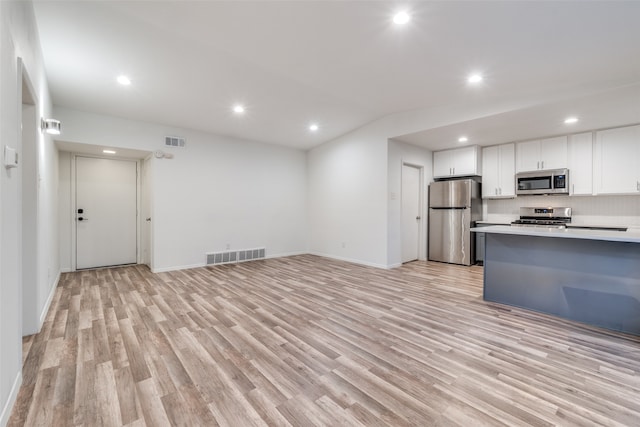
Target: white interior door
{"type": "Point", "coordinates": [145, 211]}
{"type": "Point", "coordinates": [106, 212]}
{"type": "Point", "coordinates": [411, 213]}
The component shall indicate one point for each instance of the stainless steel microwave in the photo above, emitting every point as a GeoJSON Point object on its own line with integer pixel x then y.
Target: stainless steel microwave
{"type": "Point", "coordinates": [554, 181]}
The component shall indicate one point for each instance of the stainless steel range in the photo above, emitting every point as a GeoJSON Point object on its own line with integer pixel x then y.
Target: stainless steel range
{"type": "Point", "coordinates": [544, 217]}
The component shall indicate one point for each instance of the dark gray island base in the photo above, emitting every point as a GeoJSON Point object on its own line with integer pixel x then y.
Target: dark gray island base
{"type": "Point", "coordinates": [575, 276]}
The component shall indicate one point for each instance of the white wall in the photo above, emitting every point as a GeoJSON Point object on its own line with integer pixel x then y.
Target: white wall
{"type": "Point", "coordinates": [347, 199]}
{"type": "Point", "coordinates": [19, 39]}
{"type": "Point", "coordinates": [65, 210]}
{"type": "Point", "coordinates": [217, 191]}
{"type": "Point", "coordinates": [400, 153]}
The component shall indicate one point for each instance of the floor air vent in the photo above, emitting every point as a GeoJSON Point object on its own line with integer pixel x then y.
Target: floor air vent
{"type": "Point", "coordinates": [230, 257]}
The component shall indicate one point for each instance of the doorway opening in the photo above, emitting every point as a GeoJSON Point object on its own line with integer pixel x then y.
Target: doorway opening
{"type": "Point", "coordinates": [29, 192]}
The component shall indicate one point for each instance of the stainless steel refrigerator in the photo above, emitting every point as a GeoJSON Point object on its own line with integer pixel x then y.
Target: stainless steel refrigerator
{"type": "Point", "coordinates": [454, 207]}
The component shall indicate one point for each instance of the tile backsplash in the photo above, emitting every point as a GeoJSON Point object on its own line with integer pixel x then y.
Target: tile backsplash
{"type": "Point", "coordinates": [590, 210]}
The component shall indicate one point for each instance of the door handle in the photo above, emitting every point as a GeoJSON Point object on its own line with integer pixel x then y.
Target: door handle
{"type": "Point", "coordinates": [83, 219]}
{"type": "Point", "coordinates": [418, 218]}
{"type": "Point", "coordinates": [148, 219]}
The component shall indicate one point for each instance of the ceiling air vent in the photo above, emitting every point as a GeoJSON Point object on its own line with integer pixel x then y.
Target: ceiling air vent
{"type": "Point", "coordinates": [173, 141]}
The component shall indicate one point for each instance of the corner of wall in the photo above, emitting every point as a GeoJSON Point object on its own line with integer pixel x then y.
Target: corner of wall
{"type": "Point", "coordinates": [47, 304]}
{"type": "Point", "coordinates": [13, 395]}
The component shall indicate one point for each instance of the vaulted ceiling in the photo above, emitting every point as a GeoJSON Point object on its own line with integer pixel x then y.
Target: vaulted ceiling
{"type": "Point", "coordinates": [342, 64]}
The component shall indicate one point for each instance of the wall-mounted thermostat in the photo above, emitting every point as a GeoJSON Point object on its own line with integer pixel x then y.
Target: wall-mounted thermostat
{"type": "Point", "coordinates": [10, 157]}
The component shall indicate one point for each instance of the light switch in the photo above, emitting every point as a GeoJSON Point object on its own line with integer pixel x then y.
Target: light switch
{"type": "Point", "coordinates": [10, 157]}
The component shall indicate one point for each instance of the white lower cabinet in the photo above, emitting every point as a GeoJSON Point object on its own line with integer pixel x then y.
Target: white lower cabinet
{"type": "Point", "coordinates": [581, 164]}
{"type": "Point", "coordinates": [617, 161]}
{"type": "Point", "coordinates": [498, 172]}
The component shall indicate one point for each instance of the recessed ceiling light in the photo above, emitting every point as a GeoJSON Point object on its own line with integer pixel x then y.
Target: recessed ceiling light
{"type": "Point", "coordinates": [238, 109]}
{"type": "Point", "coordinates": [463, 139]}
{"type": "Point", "coordinates": [474, 78]}
{"type": "Point", "coordinates": [124, 80]}
{"type": "Point", "coordinates": [570, 120]}
{"type": "Point", "coordinates": [401, 18]}
{"type": "Point", "coordinates": [108, 152]}
{"type": "Point", "coordinates": [313, 127]}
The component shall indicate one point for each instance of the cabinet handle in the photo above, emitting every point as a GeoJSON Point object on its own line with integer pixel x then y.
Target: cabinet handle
{"type": "Point", "coordinates": [500, 190]}
{"type": "Point", "coordinates": [638, 185]}
{"type": "Point", "coordinates": [454, 171]}
{"type": "Point", "coordinates": [573, 188]}
{"type": "Point", "coordinates": [542, 164]}
{"type": "Point", "coordinates": [496, 191]}
{"type": "Point", "coordinates": [538, 165]}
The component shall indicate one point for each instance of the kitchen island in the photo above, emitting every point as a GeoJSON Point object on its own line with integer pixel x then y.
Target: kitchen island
{"type": "Point", "coordinates": [592, 276]}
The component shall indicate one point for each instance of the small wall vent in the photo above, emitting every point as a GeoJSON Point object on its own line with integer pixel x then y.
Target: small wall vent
{"type": "Point", "coordinates": [174, 141]}
{"type": "Point", "coordinates": [232, 257]}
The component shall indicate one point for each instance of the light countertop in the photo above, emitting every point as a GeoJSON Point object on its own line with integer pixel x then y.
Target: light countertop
{"type": "Point", "coordinates": [632, 235]}
{"type": "Point", "coordinates": [501, 222]}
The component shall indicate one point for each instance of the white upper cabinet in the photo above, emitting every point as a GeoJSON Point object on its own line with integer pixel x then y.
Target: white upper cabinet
{"type": "Point", "coordinates": [457, 162]}
{"type": "Point", "coordinates": [617, 161]}
{"type": "Point", "coordinates": [549, 153]}
{"type": "Point", "coordinates": [581, 164]}
{"type": "Point", "coordinates": [528, 156]}
{"type": "Point", "coordinates": [498, 171]}
{"type": "Point", "coordinates": [441, 163]}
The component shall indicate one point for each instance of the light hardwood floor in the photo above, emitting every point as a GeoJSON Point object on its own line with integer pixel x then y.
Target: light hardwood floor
{"type": "Point", "coordinates": [309, 341]}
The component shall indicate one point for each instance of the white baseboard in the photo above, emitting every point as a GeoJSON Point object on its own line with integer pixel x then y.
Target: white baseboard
{"type": "Point", "coordinates": [11, 399]}
{"type": "Point", "coordinates": [286, 254]}
{"type": "Point", "coordinates": [177, 267]}
{"type": "Point", "coordinates": [47, 304]}
{"type": "Point", "coordinates": [354, 261]}
{"type": "Point", "coordinates": [185, 267]}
